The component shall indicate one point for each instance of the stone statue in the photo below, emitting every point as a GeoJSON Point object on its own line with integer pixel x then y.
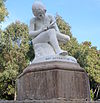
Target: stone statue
{"type": "Point", "coordinates": [45, 36]}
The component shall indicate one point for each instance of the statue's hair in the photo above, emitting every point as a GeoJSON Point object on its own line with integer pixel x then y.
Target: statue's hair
{"type": "Point", "coordinates": [38, 5]}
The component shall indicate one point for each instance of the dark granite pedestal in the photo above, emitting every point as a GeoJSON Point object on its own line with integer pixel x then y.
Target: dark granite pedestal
{"type": "Point", "coordinates": [53, 80]}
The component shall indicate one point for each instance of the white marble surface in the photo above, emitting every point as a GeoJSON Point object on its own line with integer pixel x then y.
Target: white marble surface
{"type": "Point", "coordinates": [45, 36]}
{"type": "Point", "coordinates": [55, 58]}
{"type": "Point", "coordinates": [44, 52]}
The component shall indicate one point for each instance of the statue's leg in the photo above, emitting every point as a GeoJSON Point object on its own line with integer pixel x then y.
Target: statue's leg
{"type": "Point", "coordinates": [41, 38]}
{"type": "Point", "coordinates": [49, 36]}
{"type": "Point", "coordinates": [54, 42]}
{"type": "Point", "coordinates": [62, 37]}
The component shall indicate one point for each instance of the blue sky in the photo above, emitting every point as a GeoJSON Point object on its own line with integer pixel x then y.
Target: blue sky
{"type": "Point", "coordinates": [82, 15]}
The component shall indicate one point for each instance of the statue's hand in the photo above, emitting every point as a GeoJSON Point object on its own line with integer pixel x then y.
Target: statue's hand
{"type": "Point", "coordinates": [51, 27]}
{"type": "Point", "coordinates": [43, 29]}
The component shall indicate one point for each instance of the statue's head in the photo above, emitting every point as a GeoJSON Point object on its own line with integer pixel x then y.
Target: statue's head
{"type": "Point", "coordinates": [38, 10]}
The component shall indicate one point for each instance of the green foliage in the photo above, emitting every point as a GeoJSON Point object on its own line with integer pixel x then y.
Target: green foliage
{"type": "Point", "coordinates": [92, 94]}
{"type": "Point", "coordinates": [14, 46]}
{"type": "Point", "coordinates": [3, 11]}
{"type": "Point", "coordinates": [17, 46]}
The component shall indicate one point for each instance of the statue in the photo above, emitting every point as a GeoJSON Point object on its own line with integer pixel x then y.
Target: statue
{"type": "Point", "coordinates": [45, 35]}
{"type": "Point", "coordinates": [51, 77]}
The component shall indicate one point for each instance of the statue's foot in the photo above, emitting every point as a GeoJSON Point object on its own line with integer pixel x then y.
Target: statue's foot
{"type": "Point", "coordinates": [63, 53]}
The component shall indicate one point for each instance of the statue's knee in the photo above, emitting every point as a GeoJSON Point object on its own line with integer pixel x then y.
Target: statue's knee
{"type": "Point", "coordinates": [52, 30]}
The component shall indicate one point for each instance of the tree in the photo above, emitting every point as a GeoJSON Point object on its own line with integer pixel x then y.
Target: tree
{"type": "Point", "coordinates": [3, 11]}
{"type": "Point", "coordinates": [92, 66]}
{"type": "Point", "coordinates": [14, 48]}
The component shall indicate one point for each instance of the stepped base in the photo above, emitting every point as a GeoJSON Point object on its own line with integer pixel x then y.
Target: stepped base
{"type": "Point", "coordinates": [50, 101]}
{"type": "Point", "coordinates": [53, 80]}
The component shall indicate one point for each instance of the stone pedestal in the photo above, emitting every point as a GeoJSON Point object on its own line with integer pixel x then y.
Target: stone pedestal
{"type": "Point", "coordinates": [48, 101]}
{"type": "Point", "coordinates": [53, 80]}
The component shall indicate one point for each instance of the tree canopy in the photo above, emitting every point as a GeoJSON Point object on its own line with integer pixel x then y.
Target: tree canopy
{"type": "Point", "coordinates": [13, 57]}
{"type": "Point", "coordinates": [3, 11]}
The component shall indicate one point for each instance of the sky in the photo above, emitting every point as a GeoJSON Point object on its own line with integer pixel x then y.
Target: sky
{"type": "Point", "coordinates": [82, 15]}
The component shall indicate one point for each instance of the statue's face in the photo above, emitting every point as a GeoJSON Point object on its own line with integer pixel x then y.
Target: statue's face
{"type": "Point", "coordinates": [39, 13]}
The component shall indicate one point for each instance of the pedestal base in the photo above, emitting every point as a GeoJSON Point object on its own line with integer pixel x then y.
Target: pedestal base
{"type": "Point", "coordinates": [53, 80]}
{"type": "Point", "coordinates": [49, 101]}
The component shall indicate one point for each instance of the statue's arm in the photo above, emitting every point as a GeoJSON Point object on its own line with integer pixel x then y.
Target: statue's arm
{"type": "Point", "coordinates": [32, 32]}
{"type": "Point", "coordinates": [55, 25]}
